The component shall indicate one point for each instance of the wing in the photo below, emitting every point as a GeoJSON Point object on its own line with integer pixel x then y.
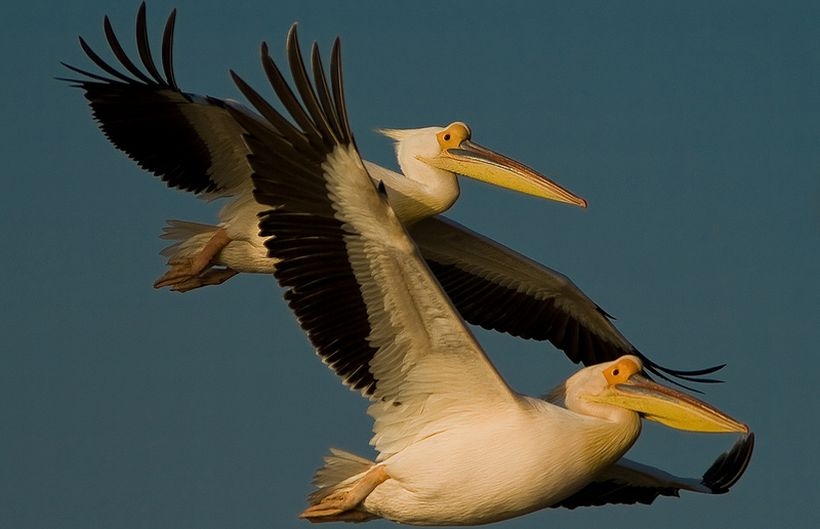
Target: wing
{"type": "Point", "coordinates": [498, 288]}
{"type": "Point", "coordinates": [194, 143]}
{"type": "Point", "coordinates": [354, 279]}
{"type": "Point", "coordinates": [630, 482]}
{"type": "Point", "coordinates": [191, 142]}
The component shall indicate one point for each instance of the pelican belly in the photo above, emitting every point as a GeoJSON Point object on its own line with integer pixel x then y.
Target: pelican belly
{"type": "Point", "coordinates": [495, 467]}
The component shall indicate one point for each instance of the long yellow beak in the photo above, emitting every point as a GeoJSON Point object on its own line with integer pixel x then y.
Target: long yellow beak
{"type": "Point", "coordinates": [480, 163]}
{"type": "Point", "coordinates": [668, 406]}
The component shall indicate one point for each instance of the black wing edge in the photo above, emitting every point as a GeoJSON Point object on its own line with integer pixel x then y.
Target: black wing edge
{"type": "Point", "coordinates": [730, 466]}
{"type": "Point", "coordinates": [719, 478]}
{"type": "Point", "coordinates": [524, 316]}
{"type": "Point", "coordinates": [138, 110]}
{"type": "Point", "coordinates": [287, 157]}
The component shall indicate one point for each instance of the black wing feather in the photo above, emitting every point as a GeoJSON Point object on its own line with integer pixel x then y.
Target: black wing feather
{"type": "Point", "coordinates": [321, 288]}
{"type": "Point", "coordinates": [144, 47]}
{"type": "Point", "coordinates": [506, 308]}
{"type": "Point", "coordinates": [142, 115]}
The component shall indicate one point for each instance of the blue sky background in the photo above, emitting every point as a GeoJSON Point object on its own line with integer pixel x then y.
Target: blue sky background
{"type": "Point", "coordinates": [692, 129]}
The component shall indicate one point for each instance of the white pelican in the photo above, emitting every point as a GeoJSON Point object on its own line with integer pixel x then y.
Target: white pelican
{"type": "Point", "coordinates": [194, 143]}
{"type": "Point", "coordinates": [456, 445]}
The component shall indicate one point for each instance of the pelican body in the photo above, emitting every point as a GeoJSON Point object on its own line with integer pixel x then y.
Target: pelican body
{"type": "Point", "coordinates": [497, 458]}
{"type": "Point", "coordinates": [195, 143]}
{"type": "Point", "coordinates": [455, 444]}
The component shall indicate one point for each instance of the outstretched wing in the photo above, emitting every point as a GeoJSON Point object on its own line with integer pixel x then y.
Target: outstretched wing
{"type": "Point", "coordinates": [354, 279]}
{"type": "Point", "coordinates": [497, 288]}
{"type": "Point", "coordinates": [191, 142]}
{"type": "Point", "coordinates": [630, 482]}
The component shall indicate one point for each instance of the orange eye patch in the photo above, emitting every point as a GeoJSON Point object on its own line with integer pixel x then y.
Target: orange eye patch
{"type": "Point", "coordinates": [621, 370]}
{"type": "Point", "coordinates": [453, 135]}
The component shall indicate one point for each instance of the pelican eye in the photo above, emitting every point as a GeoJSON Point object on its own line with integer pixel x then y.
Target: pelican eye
{"type": "Point", "coordinates": [453, 135]}
{"type": "Point", "coordinates": [621, 371]}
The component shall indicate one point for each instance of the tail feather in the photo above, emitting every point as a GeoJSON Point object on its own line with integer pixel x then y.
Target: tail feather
{"type": "Point", "coordinates": [190, 237]}
{"type": "Point", "coordinates": [340, 470]}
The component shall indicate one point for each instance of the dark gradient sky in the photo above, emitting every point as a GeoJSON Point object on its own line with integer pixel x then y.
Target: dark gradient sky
{"type": "Point", "coordinates": [693, 131]}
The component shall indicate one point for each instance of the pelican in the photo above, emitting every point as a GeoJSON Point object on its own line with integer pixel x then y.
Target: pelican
{"type": "Point", "coordinates": [456, 445]}
{"type": "Point", "coordinates": [195, 143]}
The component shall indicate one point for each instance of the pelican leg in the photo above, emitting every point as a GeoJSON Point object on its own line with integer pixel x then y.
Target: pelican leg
{"type": "Point", "coordinates": [341, 505]}
{"type": "Point", "coordinates": [184, 269]}
{"type": "Point", "coordinates": [211, 276]}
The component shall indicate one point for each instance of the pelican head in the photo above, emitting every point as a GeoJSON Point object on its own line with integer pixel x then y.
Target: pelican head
{"type": "Point", "coordinates": [449, 149]}
{"type": "Point", "coordinates": [608, 389]}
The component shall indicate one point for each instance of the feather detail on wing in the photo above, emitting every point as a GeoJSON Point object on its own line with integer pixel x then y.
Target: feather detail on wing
{"type": "Point", "coordinates": [191, 142]}
{"type": "Point", "coordinates": [353, 278]}
{"type": "Point", "coordinates": [500, 289]}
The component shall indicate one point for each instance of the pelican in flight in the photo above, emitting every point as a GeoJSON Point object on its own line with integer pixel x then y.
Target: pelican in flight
{"type": "Point", "coordinates": [456, 445]}
{"type": "Point", "coordinates": [195, 143]}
